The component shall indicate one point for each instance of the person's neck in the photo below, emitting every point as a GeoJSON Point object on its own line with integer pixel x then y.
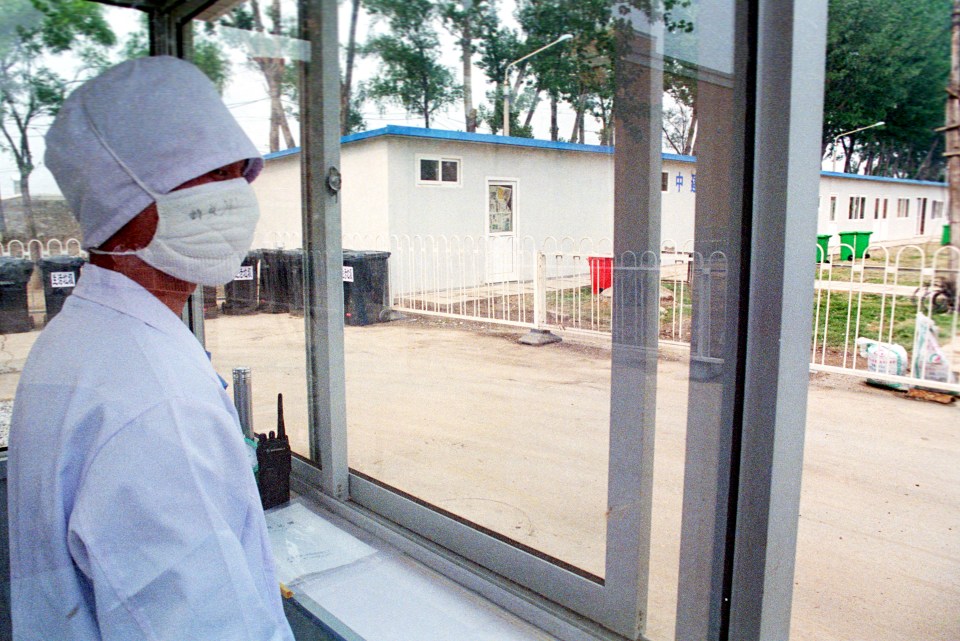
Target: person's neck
{"type": "Point", "coordinates": [170, 291]}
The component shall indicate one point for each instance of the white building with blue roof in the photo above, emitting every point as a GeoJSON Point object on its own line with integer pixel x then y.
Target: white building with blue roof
{"type": "Point", "coordinates": [502, 196]}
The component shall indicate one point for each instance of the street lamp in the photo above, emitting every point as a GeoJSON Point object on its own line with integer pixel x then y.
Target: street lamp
{"type": "Point", "coordinates": [833, 168]}
{"type": "Point", "coordinates": [506, 79]}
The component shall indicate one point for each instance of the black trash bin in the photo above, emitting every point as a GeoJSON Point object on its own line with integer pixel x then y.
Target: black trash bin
{"type": "Point", "coordinates": [365, 286]}
{"type": "Point", "coordinates": [293, 268]}
{"type": "Point", "coordinates": [241, 292]}
{"type": "Point", "coordinates": [14, 310]}
{"type": "Point", "coordinates": [273, 280]}
{"type": "Point", "coordinates": [60, 275]}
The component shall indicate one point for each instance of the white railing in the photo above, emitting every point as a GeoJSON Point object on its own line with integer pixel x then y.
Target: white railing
{"type": "Point", "coordinates": [36, 249]}
{"type": "Point", "coordinates": [880, 296]}
{"type": "Point", "coordinates": [565, 284]}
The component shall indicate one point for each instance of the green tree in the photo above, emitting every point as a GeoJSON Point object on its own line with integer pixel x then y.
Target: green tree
{"type": "Point", "coordinates": [208, 52]}
{"type": "Point", "coordinates": [887, 60]}
{"type": "Point", "coordinates": [31, 90]}
{"type": "Point", "coordinates": [578, 72]}
{"type": "Point", "coordinates": [498, 47]}
{"type": "Point", "coordinates": [411, 73]}
{"type": "Point", "coordinates": [466, 19]}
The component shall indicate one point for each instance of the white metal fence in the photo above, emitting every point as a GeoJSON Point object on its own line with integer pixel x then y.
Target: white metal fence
{"type": "Point", "coordinates": [565, 284]}
{"type": "Point", "coordinates": [37, 249]}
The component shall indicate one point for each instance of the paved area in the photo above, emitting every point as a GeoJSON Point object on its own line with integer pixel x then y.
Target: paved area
{"type": "Point", "coordinates": [515, 438]}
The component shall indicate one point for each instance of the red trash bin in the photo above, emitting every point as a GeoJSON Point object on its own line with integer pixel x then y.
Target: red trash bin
{"type": "Point", "coordinates": [601, 273]}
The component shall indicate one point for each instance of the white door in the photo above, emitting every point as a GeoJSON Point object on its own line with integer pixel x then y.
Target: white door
{"type": "Point", "coordinates": [501, 230]}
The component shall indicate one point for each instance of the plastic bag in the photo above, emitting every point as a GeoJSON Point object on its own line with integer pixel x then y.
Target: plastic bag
{"type": "Point", "coordinates": [884, 358]}
{"type": "Point", "coordinates": [930, 362]}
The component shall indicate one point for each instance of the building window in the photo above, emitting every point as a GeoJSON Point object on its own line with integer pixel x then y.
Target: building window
{"type": "Point", "coordinates": [439, 171]}
{"type": "Point", "coordinates": [833, 208]}
{"type": "Point", "coordinates": [857, 205]}
{"type": "Point", "coordinates": [886, 201]}
{"type": "Point", "coordinates": [936, 209]}
{"type": "Point", "coordinates": [903, 207]}
{"type": "Point", "coordinates": [664, 181]}
{"type": "Point", "coordinates": [876, 208]}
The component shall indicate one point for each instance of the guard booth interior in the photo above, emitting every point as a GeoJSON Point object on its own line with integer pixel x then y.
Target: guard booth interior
{"type": "Point", "coordinates": [759, 90]}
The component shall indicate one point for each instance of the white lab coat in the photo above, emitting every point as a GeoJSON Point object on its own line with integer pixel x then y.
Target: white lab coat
{"type": "Point", "coordinates": [133, 510]}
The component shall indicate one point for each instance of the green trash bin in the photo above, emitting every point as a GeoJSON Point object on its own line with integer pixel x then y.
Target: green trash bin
{"type": "Point", "coordinates": [848, 244]}
{"type": "Point", "coordinates": [823, 241]}
{"type": "Point", "coordinates": [853, 244]}
{"type": "Point", "coordinates": [863, 241]}
{"type": "Point", "coordinates": [945, 237]}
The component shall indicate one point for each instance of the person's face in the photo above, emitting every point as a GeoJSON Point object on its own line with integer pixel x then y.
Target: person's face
{"type": "Point", "coordinates": [138, 233]}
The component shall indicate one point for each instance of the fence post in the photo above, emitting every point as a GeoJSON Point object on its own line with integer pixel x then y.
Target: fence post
{"type": "Point", "coordinates": [540, 292]}
{"type": "Point", "coordinates": [539, 335]}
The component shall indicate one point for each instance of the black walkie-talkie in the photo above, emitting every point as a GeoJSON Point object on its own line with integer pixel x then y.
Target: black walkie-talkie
{"type": "Point", "coordinates": [273, 458]}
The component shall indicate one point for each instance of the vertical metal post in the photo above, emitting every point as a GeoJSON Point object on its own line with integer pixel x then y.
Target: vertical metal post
{"type": "Point", "coordinates": [791, 41]}
{"type": "Point", "coordinates": [323, 254]}
{"type": "Point", "coordinates": [243, 399]}
{"type": "Point", "coordinates": [637, 163]}
{"type": "Point", "coordinates": [170, 37]}
{"type": "Point", "coordinates": [540, 292]}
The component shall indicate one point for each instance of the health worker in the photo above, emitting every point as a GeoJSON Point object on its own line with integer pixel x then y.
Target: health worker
{"type": "Point", "coordinates": [133, 510]}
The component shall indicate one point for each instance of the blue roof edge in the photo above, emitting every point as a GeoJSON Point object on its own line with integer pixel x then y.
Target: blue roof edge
{"type": "Point", "coordinates": [462, 136]}
{"type": "Point", "coordinates": [513, 141]}
{"type": "Point", "coordinates": [909, 181]}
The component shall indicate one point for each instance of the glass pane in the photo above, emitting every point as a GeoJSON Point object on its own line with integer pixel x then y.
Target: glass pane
{"type": "Point", "coordinates": [450, 171]}
{"type": "Point", "coordinates": [500, 208]}
{"type": "Point", "coordinates": [40, 255]}
{"type": "Point", "coordinates": [609, 249]}
{"type": "Point", "coordinates": [429, 170]}
{"type": "Point", "coordinates": [256, 321]}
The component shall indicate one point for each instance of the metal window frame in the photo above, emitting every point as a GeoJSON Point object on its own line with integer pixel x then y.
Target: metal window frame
{"type": "Point", "coordinates": [755, 595]}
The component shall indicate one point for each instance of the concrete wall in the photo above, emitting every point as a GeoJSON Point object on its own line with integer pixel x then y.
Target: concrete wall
{"type": "Point", "coordinates": [278, 191]}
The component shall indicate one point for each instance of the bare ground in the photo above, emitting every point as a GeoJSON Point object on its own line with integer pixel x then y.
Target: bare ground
{"type": "Point", "coordinates": [515, 438]}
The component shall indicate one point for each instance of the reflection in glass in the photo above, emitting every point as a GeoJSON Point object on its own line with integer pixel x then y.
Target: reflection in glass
{"type": "Point", "coordinates": [256, 321]}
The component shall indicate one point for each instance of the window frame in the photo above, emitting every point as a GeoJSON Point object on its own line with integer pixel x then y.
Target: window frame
{"type": "Point", "coordinates": [768, 482]}
{"type": "Point", "coordinates": [440, 159]}
{"type": "Point", "coordinates": [832, 208]}
{"type": "Point", "coordinates": [903, 208]}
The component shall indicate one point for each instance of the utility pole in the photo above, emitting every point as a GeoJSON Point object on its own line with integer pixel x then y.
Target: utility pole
{"type": "Point", "coordinates": [952, 130]}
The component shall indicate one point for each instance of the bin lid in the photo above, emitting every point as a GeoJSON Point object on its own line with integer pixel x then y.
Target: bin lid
{"type": "Point", "coordinates": [359, 256]}
{"type": "Point", "coordinates": [61, 261]}
{"type": "Point", "coordinates": [14, 269]}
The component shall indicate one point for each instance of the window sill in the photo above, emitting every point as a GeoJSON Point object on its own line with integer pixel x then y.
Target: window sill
{"type": "Point", "coordinates": [404, 587]}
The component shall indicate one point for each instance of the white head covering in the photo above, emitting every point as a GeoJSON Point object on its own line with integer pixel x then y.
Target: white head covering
{"type": "Point", "coordinates": [162, 118]}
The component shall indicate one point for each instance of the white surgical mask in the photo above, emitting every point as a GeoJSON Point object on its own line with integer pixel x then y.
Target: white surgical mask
{"type": "Point", "coordinates": [203, 232]}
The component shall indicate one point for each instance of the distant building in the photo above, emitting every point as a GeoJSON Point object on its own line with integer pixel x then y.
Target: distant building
{"type": "Point", "coordinates": [408, 182]}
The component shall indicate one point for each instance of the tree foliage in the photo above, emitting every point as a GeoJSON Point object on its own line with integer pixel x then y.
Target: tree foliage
{"type": "Point", "coordinates": [208, 53]}
{"type": "Point", "coordinates": [30, 89]}
{"type": "Point", "coordinates": [888, 61]}
{"type": "Point", "coordinates": [410, 73]}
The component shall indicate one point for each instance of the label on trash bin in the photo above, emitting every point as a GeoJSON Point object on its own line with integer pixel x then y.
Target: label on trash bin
{"type": "Point", "coordinates": [347, 274]}
{"type": "Point", "coordinates": [245, 273]}
{"type": "Point", "coordinates": [63, 279]}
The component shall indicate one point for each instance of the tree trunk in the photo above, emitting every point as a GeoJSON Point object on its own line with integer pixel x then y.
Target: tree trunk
{"type": "Point", "coordinates": [953, 137]}
{"type": "Point", "coordinates": [466, 47]}
{"type": "Point", "coordinates": [847, 144]}
{"type": "Point", "coordinates": [533, 107]}
{"type": "Point", "coordinates": [691, 132]}
{"type": "Point", "coordinates": [581, 105]}
{"type": "Point", "coordinates": [27, 206]}
{"type": "Point", "coordinates": [554, 128]}
{"type": "Point", "coordinates": [347, 88]}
